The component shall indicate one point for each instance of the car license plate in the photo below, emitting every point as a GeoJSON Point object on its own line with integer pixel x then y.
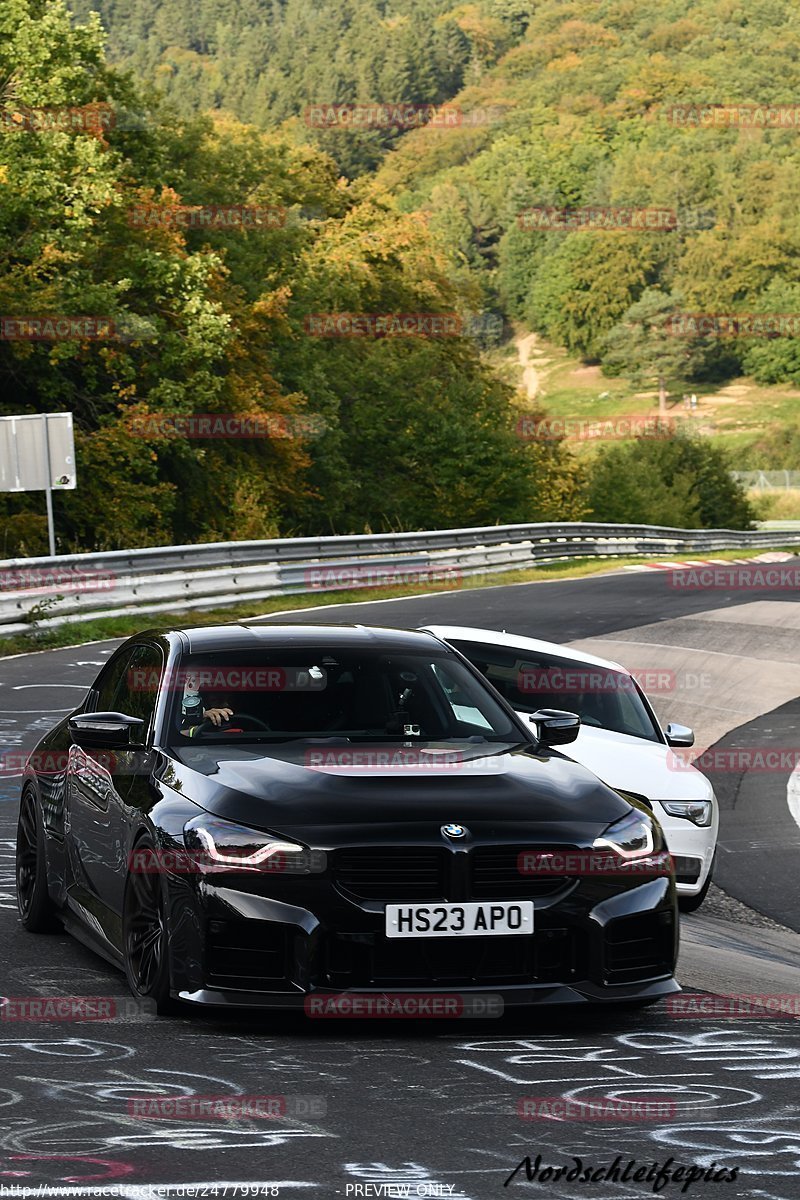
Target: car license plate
{"type": "Point", "coordinates": [459, 920]}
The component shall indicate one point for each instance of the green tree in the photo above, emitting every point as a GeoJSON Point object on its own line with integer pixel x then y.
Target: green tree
{"type": "Point", "coordinates": [646, 348]}
{"type": "Point", "coordinates": [188, 337]}
{"type": "Point", "coordinates": [678, 480]}
{"type": "Point", "coordinates": [585, 287]}
{"type": "Point", "coordinates": [775, 359]}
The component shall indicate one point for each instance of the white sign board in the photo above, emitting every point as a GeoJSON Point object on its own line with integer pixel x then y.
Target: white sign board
{"type": "Point", "coordinates": [37, 453]}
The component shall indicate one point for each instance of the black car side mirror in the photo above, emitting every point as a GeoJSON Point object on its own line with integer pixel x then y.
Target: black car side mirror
{"type": "Point", "coordinates": [105, 729]}
{"type": "Point", "coordinates": [555, 727]}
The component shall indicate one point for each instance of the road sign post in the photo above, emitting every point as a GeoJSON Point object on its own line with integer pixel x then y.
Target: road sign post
{"type": "Point", "coordinates": [37, 453]}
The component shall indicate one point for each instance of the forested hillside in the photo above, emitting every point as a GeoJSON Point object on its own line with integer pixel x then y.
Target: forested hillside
{"type": "Point", "coordinates": [582, 98]}
{"type": "Point", "coordinates": [603, 108]}
{"type": "Point", "coordinates": [267, 60]}
{"type": "Point", "coordinates": [558, 107]}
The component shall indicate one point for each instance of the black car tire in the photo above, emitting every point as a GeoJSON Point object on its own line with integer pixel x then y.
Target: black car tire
{"type": "Point", "coordinates": [144, 931]}
{"type": "Point", "coordinates": [36, 909]}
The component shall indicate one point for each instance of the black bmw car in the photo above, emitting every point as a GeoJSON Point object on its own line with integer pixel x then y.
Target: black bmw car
{"type": "Point", "coordinates": [264, 816]}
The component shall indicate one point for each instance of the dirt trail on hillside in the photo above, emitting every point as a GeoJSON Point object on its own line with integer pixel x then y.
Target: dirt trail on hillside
{"type": "Point", "coordinates": [530, 376]}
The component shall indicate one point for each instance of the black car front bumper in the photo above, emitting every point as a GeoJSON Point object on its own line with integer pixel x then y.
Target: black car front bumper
{"type": "Point", "coordinates": [592, 943]}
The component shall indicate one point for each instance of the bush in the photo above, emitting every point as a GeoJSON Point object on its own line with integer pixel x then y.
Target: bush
{"type": "Point", "coordinates": [23, 534]}
{"type": "Point", "coordinates": [679, 480]}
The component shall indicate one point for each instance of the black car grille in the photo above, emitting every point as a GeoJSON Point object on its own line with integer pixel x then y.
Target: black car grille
{"type": "Point", "coordinates": [421, 873]}
{"type": "Point", "coordinates": [393, 873]}
{"type": "Point", "coordinates": [496, 874]}
{"type": "Point", "coordinates": [246, 955]}
{"type": "Point", "coordinates": [639, 947]}
{"type": "Point", "coordinates": [549, 956]}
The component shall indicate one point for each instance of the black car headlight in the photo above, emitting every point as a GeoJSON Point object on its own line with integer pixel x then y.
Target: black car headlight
{"type": "Point", "coordinates": [699, 812]}
{"type": "Point", "coordinates": [631, 837]}
{"type": "Point", "coordinates": [216, 845]}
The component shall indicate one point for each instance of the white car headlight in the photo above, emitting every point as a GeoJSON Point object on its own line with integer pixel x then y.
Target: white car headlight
{"type": "Point", "coordinates": [633, 836]}
{"type": "Point", "coordinates": [699, 812]}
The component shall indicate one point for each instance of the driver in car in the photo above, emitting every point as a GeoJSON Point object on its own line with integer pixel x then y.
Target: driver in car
{"type": "Point", "coordinates": [194, 712]}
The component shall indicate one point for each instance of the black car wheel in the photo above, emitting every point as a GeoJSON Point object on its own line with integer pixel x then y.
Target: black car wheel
{"type": "Point", "coordinates": [36, 909]}
{"type": "Point", "coordinates": [144, 931]}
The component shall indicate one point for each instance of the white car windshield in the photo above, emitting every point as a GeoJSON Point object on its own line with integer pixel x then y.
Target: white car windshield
{"type": "Point", "coordinates": [601, 696]}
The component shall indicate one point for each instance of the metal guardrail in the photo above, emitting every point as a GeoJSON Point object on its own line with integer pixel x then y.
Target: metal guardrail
{"type": "Point", "coordinates": [214, 575]}
{"type": "Point", "coordinates": [766, 481]}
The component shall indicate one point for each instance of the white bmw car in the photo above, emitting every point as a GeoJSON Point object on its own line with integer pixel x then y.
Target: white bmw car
{"type": "Point", "coordinates": [620, 739]}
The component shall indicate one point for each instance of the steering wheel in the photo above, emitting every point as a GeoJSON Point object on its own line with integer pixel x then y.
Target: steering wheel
{"type": "Point", "coordinates": [208, 725]}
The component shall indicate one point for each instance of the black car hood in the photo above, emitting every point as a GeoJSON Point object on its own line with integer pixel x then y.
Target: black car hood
{"type": "Point", "coordinates": [329, 794]}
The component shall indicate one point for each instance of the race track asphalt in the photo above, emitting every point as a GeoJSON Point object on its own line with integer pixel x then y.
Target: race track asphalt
{"type": "Point", "coordinates": [427, 1106]}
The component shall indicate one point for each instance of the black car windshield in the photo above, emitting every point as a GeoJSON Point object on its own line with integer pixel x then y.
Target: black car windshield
{"type": "Point", "coordinates": [277, 695]}
{"type": "Point", "coordinates": [601, 696]}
